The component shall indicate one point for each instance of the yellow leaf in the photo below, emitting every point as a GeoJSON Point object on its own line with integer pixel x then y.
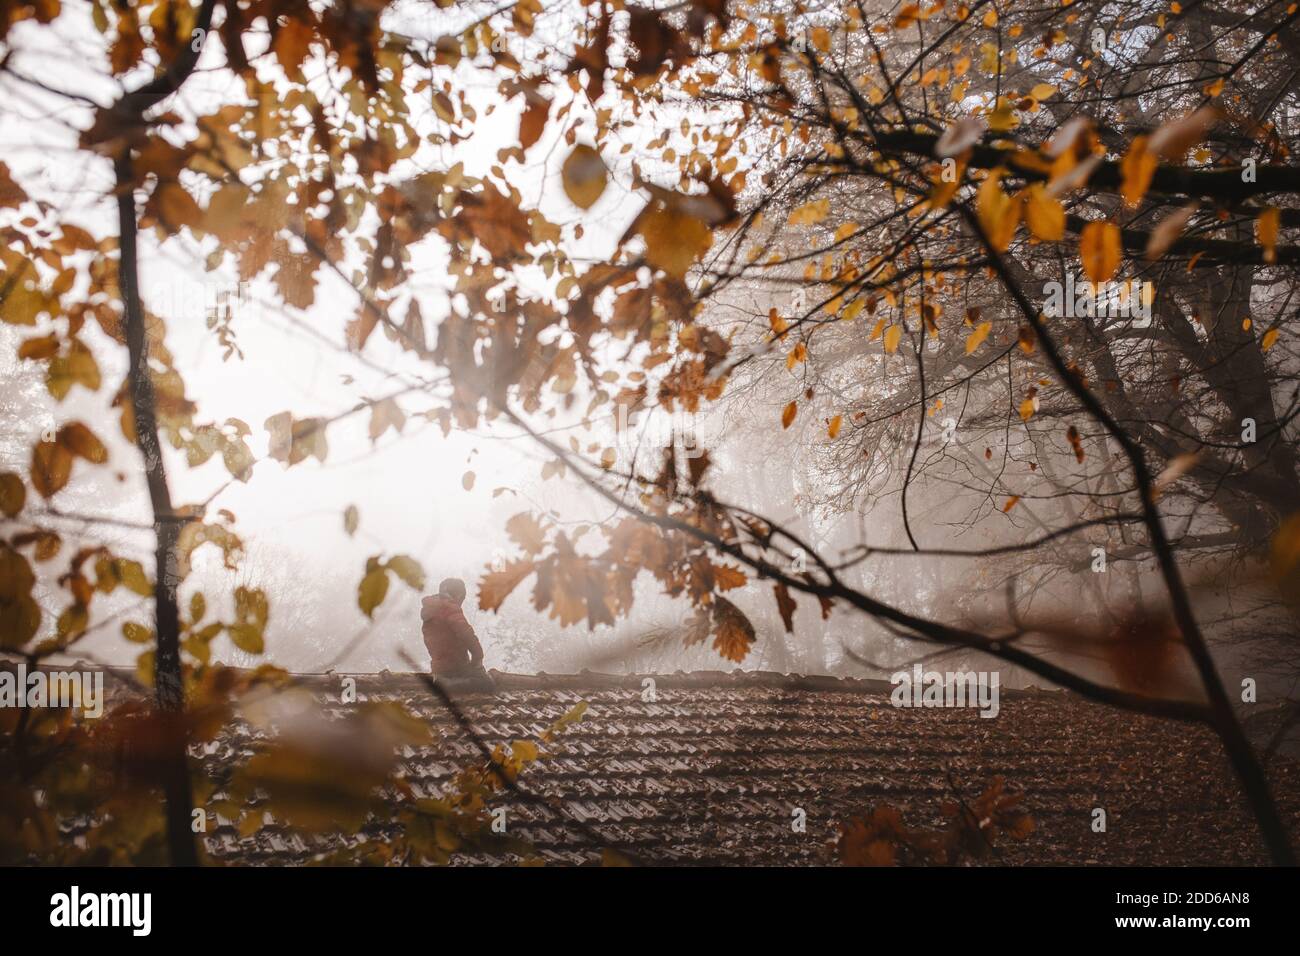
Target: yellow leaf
{"type": "Point", "coordinates": [787, 416]}
{"type": "Point", "coordinates": [977, 337]}
{"type": "Point", "coordinates": [674, 240]}
{"type": "Point", "coordinates": [1044, 215]}
{"type": "Point", "coordinates": [810, 213]}
{"type": "Point", "coordinates": [144, 668]}
{"type": "Point", "coordinates": [1136, 169]}
{"type": "Point", "coordinates": [372, 590]}
{"type": "Point", "coordinates": [1042, 91]}
{"type": "Point", "coordinates": [893, 335]}
{"type": "Point", "coordinates": [998, 213]}
{"type": "Point", "coordinates": [1267, 341]}
{"type": "Point", "coordinates": [1026, 409]}
{"type": "Point", "coordinates": [1099, 250]}
{"type": "Point", "coordinates": [1011, 503]}
{"type": "Point", "coordinates": [1003, 117]}
{"type": "Point", "coordinates": [834, 428]}
{"type": "Point", "coordinates": [1266, 232]}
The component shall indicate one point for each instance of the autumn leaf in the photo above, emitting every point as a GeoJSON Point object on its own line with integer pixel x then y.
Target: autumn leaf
{"type": "Point", "coordinates": [977, 336]}
{"type": "Point", "coordinates": [728, 578]}
{"type": "Point", "coordinates": [810, 213]}
{"type": "Point", "coordinates": [372, 590]}
{"type": "Point", "coordinates": [1136, 170]}
{"type": "Point", "coordinates": [408, 569]}
{"type": "Point", "coordinates": [893, 336]}
{"type": "Point", "coordinates": [584, 176]}
{"type": "Point", "coordinates": [351, 520]}
{"type": "Point", "coordinates": [1174, 138]}
{"type": "Point", "coordinates": [1076, 443]}
{"type": "Point", "coordinates": [943, 187]}
{"type": "Point", "coordinates": [527, 532]}
{"type": "Point", "coordinates": [20, 615]}
{"type": "Point", "coordinates": [1099, 250]}
{"type": "Point", "coordinates": [1044, 215]}
{"type": "Point", "coordinates": [787, 416]}
{"type": "Point", "coordinates": [1167, 231]}
{"type": "Point", "coordinates": [998, 213]}
{"type": "Point", "coordinates": [81, 441]}
{"type": "Point", "coordinates": [733, 635]}
{"type": "Point", "coordinates": [467, 481]}
{"type": "Point", "coordinates": [384, 415]}
{"type": "Point", "coordinates": [833, 428]}
{"type": "Point", "coordinates": [785, 605]}
{"type": "Point", "coordinates": [1266, 227]}
{"type": "Point", "coordinates": [1027, 408]}
{"type": "Point", "coordinates": [674, 240]}
{"type": "Point", "coordinates": [51, 467]}
{"type": "Point", "coordinates": [13, 493]}
{"type": "Point", "coordinates": [495, 586]}
{"type": "Point", "coordinates": [532, 123]}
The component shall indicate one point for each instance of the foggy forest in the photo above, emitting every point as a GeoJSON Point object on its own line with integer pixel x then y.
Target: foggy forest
{"type": "Point", "coordinates": [715, 432]}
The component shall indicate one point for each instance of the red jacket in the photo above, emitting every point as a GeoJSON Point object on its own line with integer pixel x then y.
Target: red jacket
{"type": "Point", "coordinates": [447, 635]}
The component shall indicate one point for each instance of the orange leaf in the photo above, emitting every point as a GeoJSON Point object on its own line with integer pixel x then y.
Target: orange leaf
{"type": "Point", "coordinates": [584, 176]}
{"type": "Point", "coordinates": [495, 586]}
{"type": "Point", "coordinates": [1136, 169]}
{"type": "Point", "coordinates": [1266, 232]}
{"type": "Point", "coordinates": [998, 213]}
{"type": "Point", "coordinates": [893, 335]}
{"type": "Point", "coordinates": [977, 337]}
{"type": "Point", "coordinates": [1044, 215]}
{"type": "Point", "coordinates": [1099, 250]}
